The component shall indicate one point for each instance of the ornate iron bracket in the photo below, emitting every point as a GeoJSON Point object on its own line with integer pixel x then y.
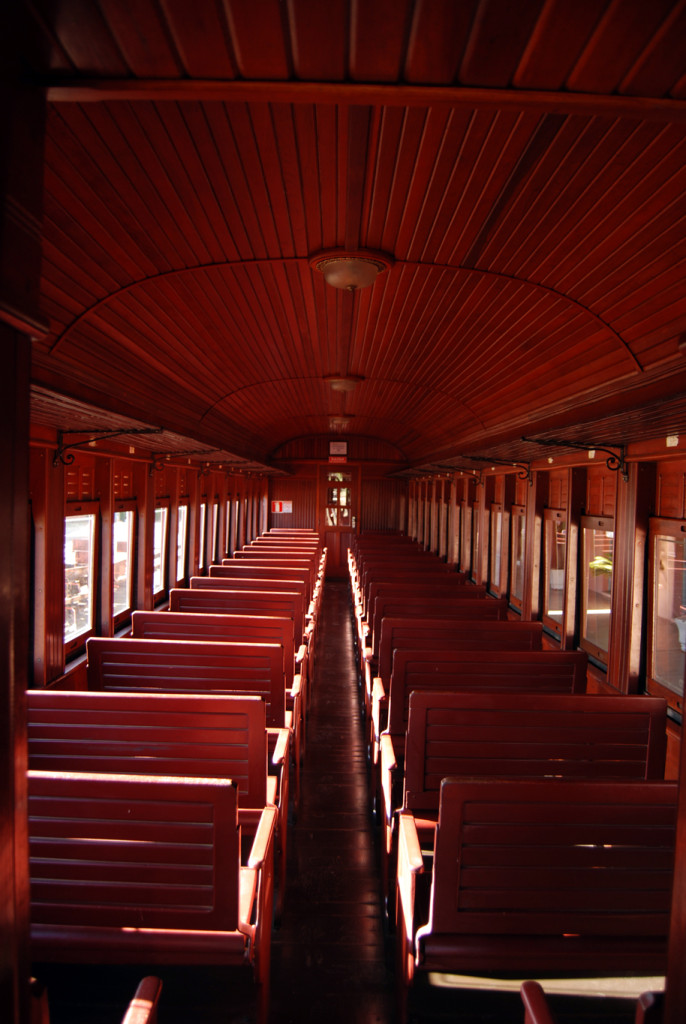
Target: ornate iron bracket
{"type": "Point", "coordinates": [615, 462]}
{"type": "Point", "coordinates": [523, 469]}
{"type": "Point", "coordinates": [64, 455]}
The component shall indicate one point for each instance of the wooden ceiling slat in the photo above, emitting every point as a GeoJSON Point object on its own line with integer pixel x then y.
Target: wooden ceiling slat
{"type": "Point", "coordinates": [438, 35]}
{"type": "Point", "coordinates": [498, 37]}
{"type": "Point", "coordinates": [280, 173]}
{"type": "Point", "coordinates": [84, 36]}
{"type": "Point", "coordinates": [377, 39]}
{"type": "Point", "coordinates": [557, 39]}
{"type": "Point", "coordinates": [259, 43]}
{"type": "Point", "coordinates": [319, 35]}
{"type": "Point", "coordinates": [616, 45]}
{"type": "Point", "coordinates": [200, 36]}
{"type": "Point", "coordinates": [143, 42]}
{"type": "Point", "coordinates": [660, 64]}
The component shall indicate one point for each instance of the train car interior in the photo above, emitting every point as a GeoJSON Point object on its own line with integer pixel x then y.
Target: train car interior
{"type": "Point", "coordinates": [343, 333]}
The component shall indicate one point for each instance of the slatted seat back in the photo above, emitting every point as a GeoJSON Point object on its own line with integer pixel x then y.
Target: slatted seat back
{"type": "Point", "coordinates": [258, 573]}
{"type": "Point", "coordinates": [502, 735]}
{"type": "Point", "coordinates": [151, 734]}
{"type": "Point", "coordinates": [554, 858]}
{"type": "Point", "coordinates": [425, 583]}
{"type": "Point", "coordinates": [251, 629]}
{"type": "Point", "coordinates": [245, 600]}
{"type": "Point", "coordinates": [190, 666]}
{"type": "Point", "coordinates": [421, 607]}
{"type": "Point", "coordinates": [434, 634]}
{"type": "Point", "coordinates": [537, 672]}
{"type": "Point", "coordinates": [107, 851]}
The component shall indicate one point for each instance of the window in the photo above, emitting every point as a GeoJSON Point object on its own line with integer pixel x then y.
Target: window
{"type": "Point", "coordinates": [518, 555]}
{"type": "Point", "coordinates": [466, 553]}
{"type": "Point", "coordinates": [123, 549]}
{"type": "Point", "coordinates": [182, 544]}
{"type": "Point", "coordinates": [554, 555]}
{"type": "Point", "coordinates": [667, 610]}
{"type": "Point", "coordinates": [597, 551]}
{"type": "Point", "coordinates": [203, 535]}
{"type": "Point", "coordinates": [338, 499]}
{"type": "Point", "coordinates": [79, 577]}
{"type": "Point", "coordinates": [159, 565]}
{"type": "Point", "coordinates": [214, 533]}
{"type": "Point", "coordinates": [497, 566]}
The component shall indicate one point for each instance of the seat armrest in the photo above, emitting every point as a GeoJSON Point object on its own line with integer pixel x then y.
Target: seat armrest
{"type": "Point", "coordinates": [264, 838]}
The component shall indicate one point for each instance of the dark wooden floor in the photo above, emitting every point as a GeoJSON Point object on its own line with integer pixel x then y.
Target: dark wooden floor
{"type": "Point", "coordinates": [332, 957]}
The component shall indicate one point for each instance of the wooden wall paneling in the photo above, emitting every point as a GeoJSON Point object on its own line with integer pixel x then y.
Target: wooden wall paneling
{"type": "Point", "coordinates": [47, 509]}
{"type": "Point", "coordinates": [675, 988]}
{"type": "Point", "coordinates": [14, 645]}
{"type": "Point", "coordinates": [635, 505]}
{"type": "Point", "coordinates": [671, 490]}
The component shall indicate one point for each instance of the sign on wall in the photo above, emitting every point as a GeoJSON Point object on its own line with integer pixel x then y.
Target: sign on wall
{"type": "Point", "coordinates": [282, 506]}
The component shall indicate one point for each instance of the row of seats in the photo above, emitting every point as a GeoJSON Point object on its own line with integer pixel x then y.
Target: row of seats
{"type": "Point", "coordinates": [159, 799]}
{"type": "Point", "coordinates": [527, 825]}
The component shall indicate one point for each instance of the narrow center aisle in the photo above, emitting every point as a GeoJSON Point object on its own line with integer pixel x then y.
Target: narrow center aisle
{"type": "Point", "coordinates": [329, 958]}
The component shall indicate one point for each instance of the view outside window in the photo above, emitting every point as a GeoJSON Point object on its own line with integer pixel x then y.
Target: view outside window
{"type": "Point", "coordinates": [214, 532]}
{"type": "Point", "coordinates": [668, 626]}
{"type": "Point", "coordinates": [79, 575]}
{"type": "Point", "coordinates": [338, 499]}
{"type": "Point", "coordinates": [181, 543]}
{"type": "Point", "coordinates": [596, 592]}
{"type": "Point", "coordinates": [555, 552]}
{"type": "Point", "coordinates": [517, 566]}
{"type": "Point", "coordinates": [203, 529]}
{"type": "Point", "coordinates": [495, 554]}
{"type": "Point", "coordinates": [159, 550]}
{"type": "Point", "coordinates": [466, 555]}
{"type": "Point", "coordinates": [122, 561]}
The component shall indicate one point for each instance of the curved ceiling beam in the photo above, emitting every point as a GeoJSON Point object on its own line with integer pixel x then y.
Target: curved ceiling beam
{"type": "Point", "coordinates": [141, 282]}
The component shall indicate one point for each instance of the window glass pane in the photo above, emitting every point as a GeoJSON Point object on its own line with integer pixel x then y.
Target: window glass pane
{"type": "Point", "coordinates": [669, 613]}
{"type": "Point", "coordinates": [79, 575]}
{"type": "Point", "coordinates": [555, 552]}
{"type": "Point", "coordinates": [496, 547]}
{"type": "Point", "coordinates": [182, 542]}
{"type": "Point", "coordinates": [159, 550]}
{"type": "Point", "coordinates": [466, 554]}
{"type": "Point", "coordinates": [214, 534]}
{"type": "Point", "coordinates": [518, 524]}
{"type": "Point", "coordinates": [203, 525]}
{"type": "Point", "coordinates": [596, 597]}
{"type": "Point", "coordinates": [122, 560]}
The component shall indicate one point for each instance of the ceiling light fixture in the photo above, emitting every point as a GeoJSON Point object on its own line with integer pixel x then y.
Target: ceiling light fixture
{"type": "Point", "coordinates": [350, 270]}
{"type": "Point", "coordinates": [347, 383]}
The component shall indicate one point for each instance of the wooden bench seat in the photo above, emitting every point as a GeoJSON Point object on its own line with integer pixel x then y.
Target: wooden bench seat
{"type": "Point", "coordinates": [194, 666]}
{"type": "Point", "coordinates": [138, 869]}
{"type": "Point", "coordinates": [528, 877]}
{"type": "Point", "coordinates": [165, 734]}
{"type": "Point", "coordinates": [252, 629]}
{"type": "Point", "coordinates": [414, 605]}
{"type": "Point", "coordinates": [538, 1011]}
{"type": "Point", "coordinates": [239, 568]}
{"type": "Point", "coordinates": [513, 735]}
{"type": "Point", "coordinates": [444, 634]}
{"type": "Point", "coordinates": [302, 614]}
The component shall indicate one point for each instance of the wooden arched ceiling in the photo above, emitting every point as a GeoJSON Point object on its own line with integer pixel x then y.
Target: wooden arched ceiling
{"type": "Point", "coordinates": [523, 166]}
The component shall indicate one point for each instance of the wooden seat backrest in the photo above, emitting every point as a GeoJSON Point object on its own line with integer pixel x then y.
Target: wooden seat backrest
{"type": "Point", "coordinates": [421, 607]}
{"type": "Point", "coordinates": [233, 597]}
{"type": "Point", "coordinates": [251, 629]}
{"type": "Point", "coordinates": [554, 858]}
{"type": "Point", "coordinates": [433, 634]}
{"type": "Point", "coordinates": [118, 850]}
{"type": "Point", "coordinates": [526, 735]}
{"type": "Point", "coordinates": [151, 734]}
{"type": "Point", "coordinates": [426, 584]}
{"type": "Point", "coordinates": [257, 574]}
{"type": "Point", "coordinates": [190, 666]}
{"type": "Point", "coordinates": [498, 671]}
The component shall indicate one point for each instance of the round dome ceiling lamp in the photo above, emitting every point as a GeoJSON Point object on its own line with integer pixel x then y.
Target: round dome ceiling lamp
{"type": "Point", "coordinates": [350, 271]}
{"type": "Point", "coordinates": [347, 383]}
